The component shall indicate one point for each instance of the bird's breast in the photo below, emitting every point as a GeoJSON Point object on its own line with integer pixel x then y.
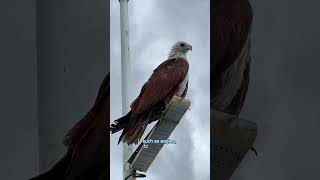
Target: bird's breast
{"type": "Point", "coordinates": [182, 86]}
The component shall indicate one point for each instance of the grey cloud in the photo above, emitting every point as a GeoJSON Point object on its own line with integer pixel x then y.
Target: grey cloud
{"type": "Point", "coordinates": [154, 27]}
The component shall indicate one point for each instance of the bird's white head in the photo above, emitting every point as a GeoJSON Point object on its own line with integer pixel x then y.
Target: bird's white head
{"type": "Point", "coordinates": [180, 49]}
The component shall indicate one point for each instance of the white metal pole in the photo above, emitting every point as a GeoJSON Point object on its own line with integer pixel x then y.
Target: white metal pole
{"type": "Point", "coordinates": [126, 74]}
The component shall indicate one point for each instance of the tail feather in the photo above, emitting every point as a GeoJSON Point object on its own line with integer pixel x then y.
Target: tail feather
{"type": "Point", "coordinates": [120, 124]}
{"type": "Point", "coordinates": [134, 130]}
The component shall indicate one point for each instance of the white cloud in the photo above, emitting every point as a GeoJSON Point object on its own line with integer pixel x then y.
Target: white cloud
{"type": "Point", "coordinates": [154, 27]}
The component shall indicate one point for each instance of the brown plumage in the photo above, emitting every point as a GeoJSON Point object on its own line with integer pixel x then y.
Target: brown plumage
{"type": "Point", "coordinates": [155, 94]}
{"type": "Point", "coordinates": [232, 21]}
{"type": "Point", "coordinates": [170, 78]}
{"type": "Point", "coordinates": [87, 144]}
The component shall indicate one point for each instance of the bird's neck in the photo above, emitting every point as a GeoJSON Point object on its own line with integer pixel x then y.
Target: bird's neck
{"type": "Point", "coordinates": [177, 55]}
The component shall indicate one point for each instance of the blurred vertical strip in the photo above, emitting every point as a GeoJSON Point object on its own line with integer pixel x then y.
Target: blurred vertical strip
{"type": "Point", "coordinates": [230, 67]}
{"type": "Point", "coordinates": [73, 58]}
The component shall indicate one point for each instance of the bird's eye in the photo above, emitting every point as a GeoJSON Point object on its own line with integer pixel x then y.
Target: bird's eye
{"type": "Point", "coordinates": [181, 44]}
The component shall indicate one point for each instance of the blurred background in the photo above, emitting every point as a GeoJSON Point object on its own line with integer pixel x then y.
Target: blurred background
{"type": "Point", "coordinates": [54, 55]}
{"type": "Point", "coordinates": [46, 90]}
{"type": "Point", "coordinates": [283, 96]}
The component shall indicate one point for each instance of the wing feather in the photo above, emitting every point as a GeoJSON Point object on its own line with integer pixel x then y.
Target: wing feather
{"type": "Point", "coordinates": [167, 76]}
{"type": "Point", "coordinates": [232, 22]}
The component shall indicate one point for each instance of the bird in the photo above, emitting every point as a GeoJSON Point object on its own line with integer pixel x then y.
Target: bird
{"type": "Point", "coordinates": [87, 144]}
{"type": "Point", "coordinates": [230, 65]}
{"type": "Point", "coordinates": [169, 79]}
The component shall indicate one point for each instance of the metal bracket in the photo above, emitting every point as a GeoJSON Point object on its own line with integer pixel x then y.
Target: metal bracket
{"type": "Point", "coordinates": [143, 157]}
{"type": "Point", "coordinates": [232, 138]}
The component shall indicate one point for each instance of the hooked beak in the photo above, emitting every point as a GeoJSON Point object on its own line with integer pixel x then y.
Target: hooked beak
{"type": "Point", "coordinates": [190, 48]}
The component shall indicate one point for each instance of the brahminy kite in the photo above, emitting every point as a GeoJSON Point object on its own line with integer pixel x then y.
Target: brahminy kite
{"type": "Point", "coordinates": [169, 79]}
{"type": "Point", "coordinates": [230, 68]}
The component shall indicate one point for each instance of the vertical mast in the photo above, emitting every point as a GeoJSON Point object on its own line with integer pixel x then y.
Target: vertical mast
{"type": "Point", "coordinates": [126, 74]}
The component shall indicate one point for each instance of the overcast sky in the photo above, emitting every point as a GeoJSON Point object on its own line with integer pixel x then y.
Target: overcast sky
{"type": "Point", "coordinates": [154, 27]}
